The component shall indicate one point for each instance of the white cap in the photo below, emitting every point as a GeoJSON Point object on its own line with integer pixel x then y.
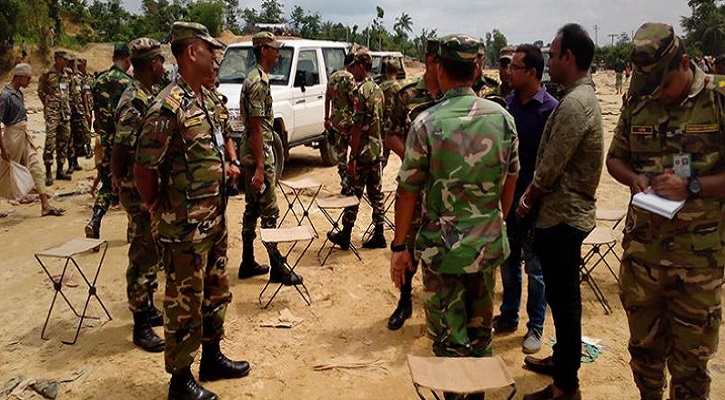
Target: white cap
{"type": "Point", "coordinates": [22, 69]}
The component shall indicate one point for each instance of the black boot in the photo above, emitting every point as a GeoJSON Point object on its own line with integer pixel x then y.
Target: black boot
{"type": "Point", "coordinates": [377, 240]}
{"type": "Point", "coordinates": [249, 267]}
{"type": "Point", "coordinates": [59, 175]}
{"type": "Point", "coordinates": [143, 336]}
{"type": "Point", "coordinates": [93, 228]}
{"type": "Point", "coordinates": [341, 238]}
{"type": "Point", "coordinates": [405, 305]}
{"type": "Point", "coordinates": [74, 164]}
{"type": "Point", "coordinates": [156, 317]}
{"type": "Point", "coordinates": [280, 273]}
{"type": "Point", "coordinates": [214, 365]}
{"type": "Point", "coordinates": [183, 386]}
{"type": "Point", "coordinates": [48, 175]}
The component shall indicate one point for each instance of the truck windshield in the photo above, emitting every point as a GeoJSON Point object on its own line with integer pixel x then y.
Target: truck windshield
{"type": "Point", "coordinates": [238, 61]}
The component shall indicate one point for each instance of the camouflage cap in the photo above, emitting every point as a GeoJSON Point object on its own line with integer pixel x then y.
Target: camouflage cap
{"type": "Point", "coordinates": [653, 47]}
{"type": "Point", "coordinates": [390, 64]}
{"type": "Point", "coordinates": [363, 56]}
{"type": "Point", "coordinates": [506, 53]}
{"type": "Point", "coordinates": [459, 47]}
{"type": "Point", "coordinates": [431, 45]}
{"type": "Point", "coordinates": [191, 30]}
{"type": "Point", "coordinates": [144, 48]}
{"type": "Point", "coordinates": [266, 39]}
{"type": "Point", "coordinates": [121, 49]}
{"type": "Point", "coordinates": [65, 54]}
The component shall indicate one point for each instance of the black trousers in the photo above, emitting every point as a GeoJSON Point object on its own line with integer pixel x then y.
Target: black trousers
{"type": "Point", "coordinates": [559, 251]}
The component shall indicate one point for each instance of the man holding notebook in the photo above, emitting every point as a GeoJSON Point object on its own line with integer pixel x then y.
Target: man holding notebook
{"type": "Point", "coordinates": [670, 140]}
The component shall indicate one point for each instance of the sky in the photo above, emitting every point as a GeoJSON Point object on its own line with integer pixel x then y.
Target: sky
{"type": "Point", "coordinates": [521, 21]}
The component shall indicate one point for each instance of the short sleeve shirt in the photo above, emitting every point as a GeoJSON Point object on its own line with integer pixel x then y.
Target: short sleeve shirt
{"type": "Point", "coordinates": [342, 88]}
{"type": "Point", "coordinates": [256, 101]}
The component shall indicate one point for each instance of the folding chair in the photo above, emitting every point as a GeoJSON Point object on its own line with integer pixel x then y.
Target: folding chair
{"type": "Point", "coordinates": [294, 200]}
{"type": "Point", "coordinates": [388, 203]}
{"type": "Point", "coordinates": [67, 252]}
{"type": "Point", "coordinates": [459, 375]}
{"type": "Point", "coordinates": [601, 242]}
{"type": "Point", "coordinates": [614, 216]}
{"type": "Point", "coordinates": [327, 206]}
{"type": "Point", "coordinates": [270, 239]}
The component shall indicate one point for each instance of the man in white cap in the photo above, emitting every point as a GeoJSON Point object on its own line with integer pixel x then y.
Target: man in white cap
{"type": "Point", "coordinates": [15, 141]}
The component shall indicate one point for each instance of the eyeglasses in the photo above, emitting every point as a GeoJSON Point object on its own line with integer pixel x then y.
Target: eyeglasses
{"type": "Point", "coordinates": [517, 67]}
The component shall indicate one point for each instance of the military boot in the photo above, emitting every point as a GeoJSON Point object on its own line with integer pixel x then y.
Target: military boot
{"type": "Point", "coordinates": [249, 267]}
{"type": "Point", "coordinates": [93, 228]}
{"type": "Point", "coordinates": [341, 238]}
{"type": "Point", "coordinates": [88, 151]}
{"type": "Point", "coordinates": [145, 337]}
{"type": "Point", "coordinates": [48, 175]}
{"type": "Point", "coordinates": [59, 175]}
{"type": "Point", "coordinates": [183, 386]}
{"type": "Point", "coordinates": [405, 305]}
{"type": "Point", "coordinates": [74, 166]}
{"type": "Point", "coordinates": [156, 317]}
{"type": "Point", "coordinates": [377, 240]}
{"type": "Point", "coordinates": [215, 366]}
{"type": "Point", "coordinates": [281, 273]}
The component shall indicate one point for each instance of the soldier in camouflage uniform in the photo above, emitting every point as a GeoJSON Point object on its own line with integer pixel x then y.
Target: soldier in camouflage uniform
{"type": "Point", "coordinates": [258, 162]}
{"type": "Point", "coordinates": [87, 105]}
{"type": "Point", "coordinates": [461, 154]}
{"type": "Point", "coordinates": [107, 90]}
{"type": "Point", "coordinates": [54, 93]}
{"type": "Point", "coordinates": [364, 167]}
{"type": "Point", "coordinates": [143, 257]}
{"type": "Point", "coordinates": [390, 86]}
{"type": "Point", "coordinates": [78, 118]}
{"type": "Point", "coordinates": [179, 173]}
{"type": "Point", "coordinates": [671, 137]}
{"type": "Point", "coordinates": [411, 100]}
{"type": "Point", "coordinates": [340, 100]}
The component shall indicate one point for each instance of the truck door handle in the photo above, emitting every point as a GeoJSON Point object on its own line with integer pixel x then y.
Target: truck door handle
{"type": "Point", "coordinates": [319, 97]}
{"type": "Point", "coordinates": [300, 101]}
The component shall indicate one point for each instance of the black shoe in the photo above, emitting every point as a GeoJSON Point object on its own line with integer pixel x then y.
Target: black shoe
{"type": "Point", "coordinates": [501, 325]}
{"type": "Point", "coordinates": [543, 366]}
{"type": "Point", "coordinates": [183, 386]}
{"type": "Point", "coordinates": [248, 271]}
{"type": "Point", "coordinates": [156, 317]}
{"type": "Point", "coordinates": [88, 151]}
{"type": "Point", "coordinates": [401, 313]}
{"type": "Point", "coordinates": [215, 366]}
{"type": "Point", "coordinates": [341, 239]}
{"type": "Point", "coordinates": [377, 240]}
{"type": "Point", "coordinates": [93, 228]}
{"type": "Point", "coordinates": [285, 276]}
{"type": "Point", "coordinates": [60, 176]}
{"type": "Point", "coordinates": [145, 337]}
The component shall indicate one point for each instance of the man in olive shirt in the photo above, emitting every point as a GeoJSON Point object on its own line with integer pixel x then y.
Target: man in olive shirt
{"type": "Point", "coordinates": [568, 167]}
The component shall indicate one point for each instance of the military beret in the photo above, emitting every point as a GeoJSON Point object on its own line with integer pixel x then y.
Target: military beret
{"type": "Point", "coordinates": [190, 30]}
{"type": "Point", "coordinates": [431, 45]}
{"type": "Point", "coordinates": [22, 69]}
{"type": "Point", "coordinates": [121, 49]}
{"type": "Point", "coordinates": [144, 48]}
{"type": "Point", "coordinates": [653, 47]}
{"type": "Point", "coordinates": [459, 47]}
{"type": "Point", "coordinates": [266, 39]}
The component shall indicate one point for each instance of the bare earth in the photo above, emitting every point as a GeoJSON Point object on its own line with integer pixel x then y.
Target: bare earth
{"type": "Point", "coordinates": [346, 323]}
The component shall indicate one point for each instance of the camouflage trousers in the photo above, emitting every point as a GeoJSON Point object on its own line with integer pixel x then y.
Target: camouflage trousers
{"type": "Point", "coordinates": [674, 319]}
{"type": "Point", "coordinates": [259, 205]}
{"type": "Point", "coordinates": [143, 258]}
{"type": "Point", "coordinates": [105, 196]}
{"type": "Point", "coordinates": [342, 143]}
{"type": "Point", "coordinates": [197, 293]}
{"type": "Point", "coordinates": [57, 139]}
{"type": "Point", "coordinates": [80, 136]}
{"type": "Point", "coordinates": [368, 177]}
{"type": "Point", "coordinates": [459, 311]}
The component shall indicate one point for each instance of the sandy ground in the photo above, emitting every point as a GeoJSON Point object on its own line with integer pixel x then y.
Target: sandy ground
{"type": "Point", "coordinates": [346, 322]}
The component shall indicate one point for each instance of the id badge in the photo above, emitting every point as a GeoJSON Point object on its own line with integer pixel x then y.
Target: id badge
{"type": "Point", "coordinates": [682, 165]}
{"type": "Point", "coordinates": [63, 86]}
{"type": "Point", "coordinates": [218, 138]}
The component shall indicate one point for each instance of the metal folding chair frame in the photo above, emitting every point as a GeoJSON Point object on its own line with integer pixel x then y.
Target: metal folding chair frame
{"type": "Point", "coordinates": [284, 261]}
{"type": "Point", "coordinates": [296, 199]}
{"type": "Point", "coordinates": [335, 223]}
{"type": "Point", "coordinates": [58, 285]}
{"type": "Point", "coordinates": [388, 203]}
{"type": "Point", "coordinates": [595, 250]}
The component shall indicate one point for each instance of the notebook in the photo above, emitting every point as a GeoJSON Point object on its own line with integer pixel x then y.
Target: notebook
{"type": "Point", "coordinates": [652, 202]}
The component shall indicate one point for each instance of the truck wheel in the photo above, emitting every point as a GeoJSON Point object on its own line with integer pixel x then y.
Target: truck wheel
{"type": "Point", "coordinates": [328, 153]}
{"type": "Point", "coordinates": [278, 150]}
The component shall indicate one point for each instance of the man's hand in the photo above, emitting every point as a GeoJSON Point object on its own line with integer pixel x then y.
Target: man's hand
{"type": "Point", "coordinates": [328, 124]}
{"type": "Point", "coordinates": [639, 184]}
{"type": "Point", "coordinates": [233, 172]}
{"type": "Point", "coordinates": [524, 208]}
{"type": "Point", "coordinates": [352, 168]}
{"type": "Point", "coordinates": [670, 187]}
{"type": "Point", "coordinates": [258, 179]}
{"type": "Point", "coordinates": [400, 262]}
{"type": "Point", "coordinates": [115, 183]}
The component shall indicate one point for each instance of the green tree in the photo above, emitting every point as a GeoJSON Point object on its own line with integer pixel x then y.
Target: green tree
{"type": "Point", "coordinates": [495, 41]}
{"type": "Point", "coordinates": [231, 16]}
{"type": "Point", "coordinates": [272, 12]}
{"type": "Point", "coordinates": [210, 13]}
{"type": "Point", "coordinates": [403, 26]}
{"type": "Point", "coordinates": [111, 21]}
{"type": "Point", "coordinates": [705, 28]}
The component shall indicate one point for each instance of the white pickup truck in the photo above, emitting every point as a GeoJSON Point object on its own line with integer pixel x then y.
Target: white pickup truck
{"type": "Point", "coordinates": [298, 83]}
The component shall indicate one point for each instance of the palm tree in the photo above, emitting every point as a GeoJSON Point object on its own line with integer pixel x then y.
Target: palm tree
{"type": "Point", "coordinates": [403, 26]}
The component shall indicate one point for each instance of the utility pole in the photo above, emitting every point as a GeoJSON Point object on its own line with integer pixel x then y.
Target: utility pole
{"type": "Point", "coordinates": [596, 35]}
{"type": "Point", "coordinates": [612, 36]}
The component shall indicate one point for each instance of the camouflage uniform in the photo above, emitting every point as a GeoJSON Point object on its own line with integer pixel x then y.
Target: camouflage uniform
{"type": "Point", "coordinates": [78, 122]}
{"type": "Point", "coordinates": [87, 84]}
{"type": "Point", "coordinates": [177, 140]}
{"type": "Point", "coordinates": [54, 89]}
{"type": "Point", "coordinates": [458, 154]}
{"type": "Point", "coordinates": [143, 254]}
{"type": "Point", "coordinates": [368, 170]}
{"type": "Point", "coordinates": [671, 275]}
{"type": "Point", "coordinates": [342, 86]}
{"type": "Point", "coordinates": [256, 101]}
{"type": "Point", "coordinates": [390, 88]}
{"type": "Point", "coordinates": [107, 90]}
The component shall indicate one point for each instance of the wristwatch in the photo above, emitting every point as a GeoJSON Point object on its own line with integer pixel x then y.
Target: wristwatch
{"type": "Point", "coordinates": [236, 162]}
{"type": "Point", "coordinates": [694, 187]}
{"type": "Point", "coordinates": [397, 248]}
